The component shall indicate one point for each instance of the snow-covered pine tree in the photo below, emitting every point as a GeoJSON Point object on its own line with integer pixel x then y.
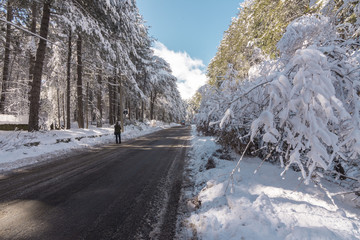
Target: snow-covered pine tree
{"type": "Point", "coordinates": [115, 42]}
{"type": "Point", "coordinates": [303, 107]}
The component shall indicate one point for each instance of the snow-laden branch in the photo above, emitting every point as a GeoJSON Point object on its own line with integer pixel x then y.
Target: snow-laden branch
{"type": "Point", "coordinates": [303, 106]}
{"type": "Point", "coordinates": [27, 31]}
{"type": "Point", "coordinates": [249, 91]}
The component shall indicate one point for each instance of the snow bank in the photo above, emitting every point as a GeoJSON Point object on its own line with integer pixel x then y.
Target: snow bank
{"type": "Point", "coordinates": [20, 148]}
{"type": "Point", "coordinates": [11, 119]}
{"type": "Point", "coordinates": [264, 205]}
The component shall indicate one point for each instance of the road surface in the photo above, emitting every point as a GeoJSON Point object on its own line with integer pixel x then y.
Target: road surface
{"type": "Point", "coordinates": [127, 191]}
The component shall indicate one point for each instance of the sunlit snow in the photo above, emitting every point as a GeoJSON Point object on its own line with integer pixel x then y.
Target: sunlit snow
{"type": "Point", "coordinates": [263, 205]}
{"type": "Point", "coordinates": [21, 148]}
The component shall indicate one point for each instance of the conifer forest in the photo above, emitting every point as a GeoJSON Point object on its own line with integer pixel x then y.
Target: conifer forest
{"type": "Point", "coordinates": [268, 148]}
{"type": "Point", "coordinates": [82, 60]}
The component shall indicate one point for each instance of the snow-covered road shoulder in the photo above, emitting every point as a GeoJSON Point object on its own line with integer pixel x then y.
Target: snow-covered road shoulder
{"type": "Point", "coordinates": [262, 205]}
{"type": "Point", "coordinates": [21, 148]}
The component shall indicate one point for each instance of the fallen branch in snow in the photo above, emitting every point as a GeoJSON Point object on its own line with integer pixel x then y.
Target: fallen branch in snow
{"type": "Point", "coordinates": [328, 194]}
{"type": "Point", "coordinates": [343, 175]}
{"type": "Point", "coordinates": [262, 162]}
{"type": "Point", "coordinates": [357, 192]}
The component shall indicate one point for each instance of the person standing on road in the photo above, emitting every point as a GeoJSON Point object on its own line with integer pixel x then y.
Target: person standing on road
{"type": "Point", "coordinates": [117, 132]}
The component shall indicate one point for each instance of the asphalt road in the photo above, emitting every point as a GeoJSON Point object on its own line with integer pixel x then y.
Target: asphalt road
{"type": "Point", "coordinates": [127, 191]}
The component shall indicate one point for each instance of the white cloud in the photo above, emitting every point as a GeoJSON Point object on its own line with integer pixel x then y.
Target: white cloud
{"type": "Point", "coordinates": [189, 72]}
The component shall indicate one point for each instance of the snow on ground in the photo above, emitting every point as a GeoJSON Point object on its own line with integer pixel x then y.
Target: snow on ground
{"type": "Point", "coordinates": [262, 205]}
{"type": "Point", "coordinates": [21, 148]}
{"type": "Point", "coordinates": [11, 119]}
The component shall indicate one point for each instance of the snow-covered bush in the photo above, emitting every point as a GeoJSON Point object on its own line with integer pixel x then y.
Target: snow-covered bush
{"type": "Point", "coordinates": [304, 114]}
{"type": "Point", "coordinates": [228, 111]}
{"type": "Point", "coordinates": [304, 32]}
{"type": "Point", "coordinates": [301, 109]}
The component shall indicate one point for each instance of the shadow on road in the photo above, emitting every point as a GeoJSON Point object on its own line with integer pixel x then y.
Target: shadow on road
{"type": "Point", "coordinates": [127, 191]}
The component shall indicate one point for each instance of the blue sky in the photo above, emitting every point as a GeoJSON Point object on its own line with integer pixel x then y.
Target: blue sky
{"type": "Point", "coordinates": [188, 34]}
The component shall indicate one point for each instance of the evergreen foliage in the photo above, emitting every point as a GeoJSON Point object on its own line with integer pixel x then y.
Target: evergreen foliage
{"type": "Point", "coordinates": [253, 34]}
{"type": "Point", "coordinates": [284, 86]}
{"type": "Point", "coordinates": [113, 69]}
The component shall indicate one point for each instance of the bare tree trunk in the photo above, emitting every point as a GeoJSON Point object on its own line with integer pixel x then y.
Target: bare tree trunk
{"type": "Point", "coordinates": [63, 110]}
{"type": "Point", "coordinates": [58, 102]}
{"type": "Point", "coordinates": [31, 55]}
{"type": "Point", "coordinates": [87, 104]}
{"type": "Point", "coordinates": [118, 103]}
{"type": "Point", "coordinates": [68, 75]}
{"type": "Point", "coordinates": [129, 107]}
{"type": "Point", "coordinates": [91, 106]}
{"type": "Point", "coordinates": [99, 100]}
{"type": "Point", "coordinates": [142, 111]}
{"type": "Point", "coordinates": [137, 112]}
{"type": "Point", "coordinates": [114, 98]}
{"type": "Point", "coordinates": [152, 103]}
{"type": "Point", "coordinates": [5, 77]}
{"type": "Point", "coordinates": [111, 101]}
{"type": "Point", "coordinates": [38, 68]}
{"type": "Point", "coordinates": [80, 100]}
{"type": "Point", "coordinates": [75, 112]}
{"type": "Point", "coordinates": [142, 102]}
{"type": "Point", "coordinates": [121, 105]}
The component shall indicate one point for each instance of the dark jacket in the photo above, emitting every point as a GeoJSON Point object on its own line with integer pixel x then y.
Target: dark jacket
{"type": "Point", "coordinates": [117, 129]}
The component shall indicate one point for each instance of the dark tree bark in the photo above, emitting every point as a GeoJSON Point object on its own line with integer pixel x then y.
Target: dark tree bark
{"type": "Point", "coordinates": [87, 104]}
{"type": "Point", "coordinates": [121, 105]}
{"type": "Point", "coordinates": [118, 104]}
{"type": "Point", "coordinates": [80, 103]}
{"type": "Point", "coordinates": [38, 68]}
{"type": "Point", "coordinates": [6, 72]}
{"type": "Point", "coordinates": [142, 111]}
{"type": "Point", "coordinates": [99, 100]}
{"type": "Point", "coordinates": [153, 96]}
{"type": "Point", "coordinates": [91, 105]}
{"type": "Point", "coordinates": [59, 107]}
{"type": "Point", "coordinates": [63, 111]}
{"type": "Point", "coordinates": [129, 108]}
{"type": "Point", "coordinates": [114, 98]}
{"type": "Point", "coordinates": [31, 55]}
{"type": "Point", "coordinates": [111, 101]}
{"type": "Point", "coordinates": [68, 75]}
{"type": "Point", "coordinates": [142, 102]}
